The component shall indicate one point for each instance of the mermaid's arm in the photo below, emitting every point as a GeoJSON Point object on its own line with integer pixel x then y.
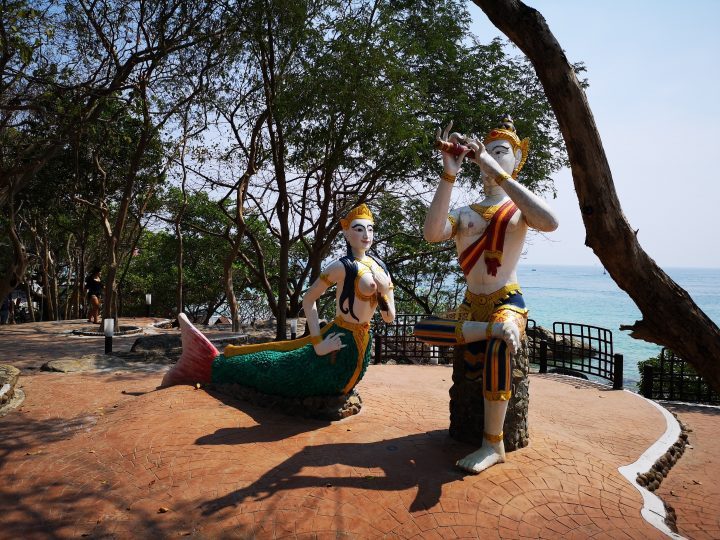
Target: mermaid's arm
{"type": "Point", "coordinates": [331, 275]}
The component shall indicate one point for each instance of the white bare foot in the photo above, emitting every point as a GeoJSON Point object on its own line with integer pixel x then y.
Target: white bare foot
{"type": "Point", "coordinates": [486, 456]}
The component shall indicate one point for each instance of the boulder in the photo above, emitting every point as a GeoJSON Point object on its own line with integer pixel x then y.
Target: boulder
{"type": "Point", "coordinates": [9, 376]}
{"type": "Point", "coordinates": [89, 362]}
{"type": "Point", "coordinates": [319, 407]}
{"type": "Point", "coordinates": [159, 343]}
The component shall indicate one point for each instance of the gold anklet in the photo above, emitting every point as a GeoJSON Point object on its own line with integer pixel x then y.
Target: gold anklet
{"type": "Point", "coordinates": [494, 438]}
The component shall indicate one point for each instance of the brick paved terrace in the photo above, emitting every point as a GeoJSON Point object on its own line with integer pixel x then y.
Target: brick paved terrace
{"type": "Point", "coordinates": [106, 455]}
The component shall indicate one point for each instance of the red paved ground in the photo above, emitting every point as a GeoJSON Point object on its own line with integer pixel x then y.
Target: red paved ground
{"type": "Point", "coordinates": [100, 454]}
{"type": "Point", "coordinates": [692, 485]}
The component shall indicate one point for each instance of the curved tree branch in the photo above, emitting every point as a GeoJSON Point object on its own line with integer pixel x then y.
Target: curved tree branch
{"type": "Point", "coordinates": [670, 317]}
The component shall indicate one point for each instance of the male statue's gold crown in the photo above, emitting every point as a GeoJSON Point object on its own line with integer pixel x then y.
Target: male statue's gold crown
{"type": "Point", "coordinates": [506, 131]}
{"type": "Point", "coordinates": [359, 212]}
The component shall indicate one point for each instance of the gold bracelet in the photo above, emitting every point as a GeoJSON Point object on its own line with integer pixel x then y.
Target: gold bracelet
{"type": "Point", "coordinates": [448, 177]}
{"type": "Point", "coordinates": [488, 330]}
{"type": "Point", "coordinates": [501, 178]}
{"type": "Point", "coordinates": [316, 340]}
{"type": "Point", "coordinates": [493, 438]}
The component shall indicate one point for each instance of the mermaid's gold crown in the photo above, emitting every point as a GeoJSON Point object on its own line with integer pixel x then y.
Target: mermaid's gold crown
{"type": "Point", "coordinates": [359, 212]}
{"type": "Point", "coordinates": [506, 131]}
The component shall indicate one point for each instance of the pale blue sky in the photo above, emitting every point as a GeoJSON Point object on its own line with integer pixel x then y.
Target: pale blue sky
{"type": "Point", "coordinates": [654, 73]}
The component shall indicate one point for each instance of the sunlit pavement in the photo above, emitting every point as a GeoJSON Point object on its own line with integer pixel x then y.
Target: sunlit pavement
{"type": "Point", "coordinates": [107, 455]}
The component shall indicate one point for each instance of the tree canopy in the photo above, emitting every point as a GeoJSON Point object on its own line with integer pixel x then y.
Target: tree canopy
{"type": "Point", "coordinates": [209, 149]}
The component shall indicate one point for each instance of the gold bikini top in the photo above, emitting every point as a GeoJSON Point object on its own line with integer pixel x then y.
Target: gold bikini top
{"type": "Point", "coordinates": [365, 266]}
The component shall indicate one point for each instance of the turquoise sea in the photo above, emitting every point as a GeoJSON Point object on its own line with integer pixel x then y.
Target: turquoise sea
{"type": "Point", "coordinates": [584, 294]}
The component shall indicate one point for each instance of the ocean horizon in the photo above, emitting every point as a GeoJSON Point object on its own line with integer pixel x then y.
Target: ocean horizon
{"type": "Point", "coordinates": [587, 295]}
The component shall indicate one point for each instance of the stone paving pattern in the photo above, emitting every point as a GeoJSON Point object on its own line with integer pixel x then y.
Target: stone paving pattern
{"type": "Point", "coordinates": [105, 454]}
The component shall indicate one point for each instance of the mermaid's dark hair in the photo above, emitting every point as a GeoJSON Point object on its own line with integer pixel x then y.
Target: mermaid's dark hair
{"type": "Point", "coordinates": [351, 272]}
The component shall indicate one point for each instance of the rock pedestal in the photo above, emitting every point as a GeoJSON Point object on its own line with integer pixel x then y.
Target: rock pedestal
{"type": "Point", "coordinates": [467, 406]}
{"type": "Point", "coordinates": [320, 407]}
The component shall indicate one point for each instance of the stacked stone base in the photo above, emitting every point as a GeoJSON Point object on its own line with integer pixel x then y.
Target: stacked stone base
{"type": "Point", "coordinates": [467, 405]}
{"type": "Point", "coordinates": [319, 407]}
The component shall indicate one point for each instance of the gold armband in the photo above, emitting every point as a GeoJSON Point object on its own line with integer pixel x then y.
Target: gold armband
{"type": "Point", "coordinates": [448, 177]}
{"type": "Point", "coordinates": [493, 438]}
{"type": "Point", "coordinates": [489, 330]}
{"type": "Point", "coordinates": [326, 280]}
{"type": "Point", "coordinates": [499, 179]}
{"type": "Point", "coordinates": [391, 287]}
{"type": "Point", "coordinates": [453, 226]}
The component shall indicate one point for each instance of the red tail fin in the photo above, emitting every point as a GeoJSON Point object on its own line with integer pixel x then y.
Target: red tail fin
{"type": "Point", "coordinates": [195, 364]}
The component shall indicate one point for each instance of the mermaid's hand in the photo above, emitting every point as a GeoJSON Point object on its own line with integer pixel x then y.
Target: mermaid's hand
{"type": "Point", "coordinates": [332, 342]}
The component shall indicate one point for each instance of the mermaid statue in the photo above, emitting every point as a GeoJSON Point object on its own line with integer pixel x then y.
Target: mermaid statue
{"type": "Point", "coordinates": [329, 361]}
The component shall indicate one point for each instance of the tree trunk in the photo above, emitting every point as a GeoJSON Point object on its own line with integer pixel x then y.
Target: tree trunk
{"type": "Point", "coordinates": [31, 311]}
{"type": "Point", "coordinates": [229, 289]}
{"type": "Point", "coordinates": [49, 308]}
{"type": "Point", "coordinates": [670, 317]}
{"type": "Point", "coordinates": [17, 267]}
{"type": "Point", "coordinates": [179, 292]}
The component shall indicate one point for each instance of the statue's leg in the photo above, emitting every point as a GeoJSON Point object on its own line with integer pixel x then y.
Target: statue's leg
{"type": "Point", "coordinates": [496, 389]}
{"type": "Point", "coordinates": [448, 332]}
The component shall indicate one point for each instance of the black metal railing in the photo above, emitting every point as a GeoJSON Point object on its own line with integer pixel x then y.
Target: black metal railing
{"type": "Point", "coordinates": [672, 378]}
{"type": "Point", "coordinates": [397, 342]}
{"type": "Point", "coordinates": [571, 348]}
{"type": "Point", "coordinates": [575, 349]}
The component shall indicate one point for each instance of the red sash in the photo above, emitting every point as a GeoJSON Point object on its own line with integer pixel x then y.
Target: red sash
{"type": "Point", "coordinates": [491, 242]}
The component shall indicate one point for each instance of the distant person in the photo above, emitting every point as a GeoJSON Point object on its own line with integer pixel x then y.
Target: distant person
{"type": "Point", "coordinates": [93, 286]}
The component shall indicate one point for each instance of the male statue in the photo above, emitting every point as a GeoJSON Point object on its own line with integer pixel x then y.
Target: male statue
{"type": "Point", "coordinates": [489, 237]}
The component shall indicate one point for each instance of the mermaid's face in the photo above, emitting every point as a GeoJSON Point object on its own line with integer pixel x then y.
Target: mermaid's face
{"type": "Point", "coordinates": [360, 234]}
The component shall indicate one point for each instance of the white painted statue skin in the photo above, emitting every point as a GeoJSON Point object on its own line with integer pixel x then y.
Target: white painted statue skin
{"type": "Point", "coordinates": [495, 160]}
{"type": "Point", "coordinates": [359, 235]}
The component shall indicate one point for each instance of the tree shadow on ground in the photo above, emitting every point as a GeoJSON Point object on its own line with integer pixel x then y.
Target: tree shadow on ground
{"type": "Point", "coordinates": [681, 408]}
{"type": "Point", "coordinates": [423, 460]}
{"type": "Point", "coordinates": [40, 500]}
{"type": "Point", "coordinates": [272, 425]}
{"type": "Point", "coordinates": [575, 382]}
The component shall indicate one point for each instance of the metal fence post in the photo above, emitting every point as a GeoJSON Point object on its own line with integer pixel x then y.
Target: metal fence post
{"type": "Point", "coordinates": [378, 348]}
{"type": "Point", "coordinates": [648, 372]}
{"type": "Point", "coordinates": [543, 356]}
{"type": "Point", "coordinates": [618, 372]}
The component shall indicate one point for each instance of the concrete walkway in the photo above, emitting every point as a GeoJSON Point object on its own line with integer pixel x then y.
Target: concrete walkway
{"type": "Point", "coordinates": [107, 455]}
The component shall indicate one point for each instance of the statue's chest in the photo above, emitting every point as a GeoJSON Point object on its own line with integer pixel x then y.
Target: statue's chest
{"type": "Point", "coordinates": [475, 219]}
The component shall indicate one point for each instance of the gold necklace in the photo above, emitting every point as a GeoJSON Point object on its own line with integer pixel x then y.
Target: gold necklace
{"type": "Point", "coordinates": [486, 211]}
{"type": "Point", "coordinates": [367, 265]}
